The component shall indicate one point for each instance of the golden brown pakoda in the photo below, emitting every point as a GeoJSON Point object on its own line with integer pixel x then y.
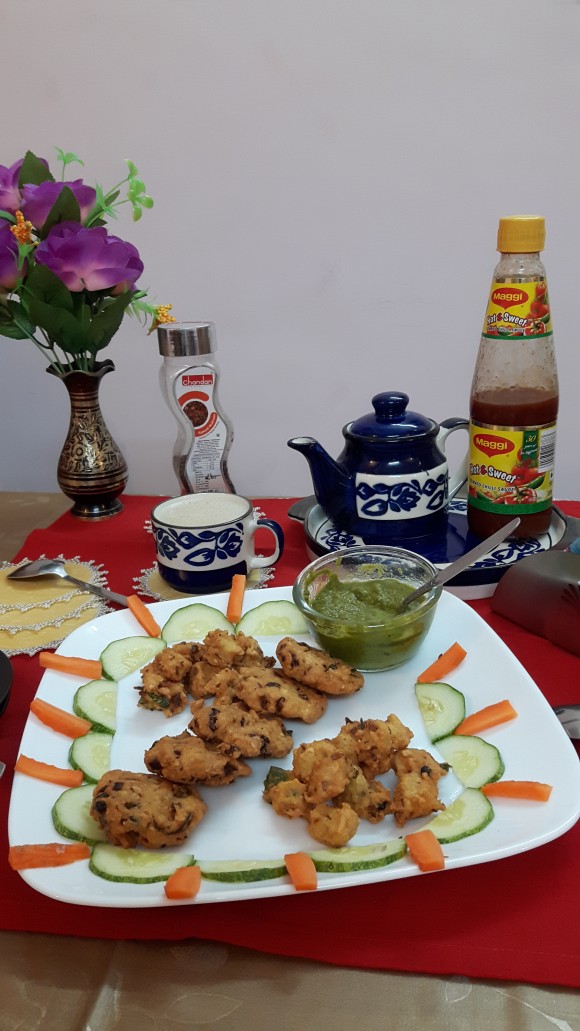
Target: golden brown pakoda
{"type": "Point", "coordinates": [220, 649]}
{"type": "Point", "coordinates": [317, 669]}
{"type": "Point", "coordinates": [287, 798]}
{"type": "Point", "coordinates": [323, 768]}
{"type": "Point", "coordinates": [371, 744]}
{"type": "Point", "coordinates": [253, 735]}
{"type": "Point", "coordinates": [369, 798]}
{"type": "Point", "coordinates": [333, 825]}
{"type": "Point", "coordinates": [143, 809]}
{"type": "Point", "coordinates": [269, 692]}
{"type": "Point", "coordinates": [163, 680]}
{"type": "Point", "coordinates": [415, 793]}
{"type": "Point", "coordinates": [185, 759]}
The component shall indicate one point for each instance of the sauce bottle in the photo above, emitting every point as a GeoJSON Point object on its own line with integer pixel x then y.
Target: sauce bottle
{"type": "Point", "coordinates": [189, 382]}
{"type": "Point", "coordinates": [514, 393]}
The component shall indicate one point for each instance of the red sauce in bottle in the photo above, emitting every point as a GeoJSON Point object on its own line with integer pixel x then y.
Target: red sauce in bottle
{"type": "Point", "coordinates": [514, 394]}
{"type": "Point", "coordinates": [514, 407]}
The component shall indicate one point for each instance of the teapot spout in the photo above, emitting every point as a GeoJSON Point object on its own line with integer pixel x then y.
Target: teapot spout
{"type": "Point", "coordinates": [330, 479]}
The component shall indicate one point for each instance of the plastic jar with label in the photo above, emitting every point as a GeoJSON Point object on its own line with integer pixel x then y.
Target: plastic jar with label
{"type": "Point", "coordinates": [514, 393]}
{"type": "Point", "coordinates": [189, 380]}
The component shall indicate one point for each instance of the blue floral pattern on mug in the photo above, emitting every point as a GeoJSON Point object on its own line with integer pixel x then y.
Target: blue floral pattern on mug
{"type": "Point", "coordinates": [381, 498]}
{"type": "Point", "coordinates": [200, 549]}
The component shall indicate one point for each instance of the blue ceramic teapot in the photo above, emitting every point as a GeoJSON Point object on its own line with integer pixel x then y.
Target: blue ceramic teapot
{"type": "Point", "coordinates": [391, 481]}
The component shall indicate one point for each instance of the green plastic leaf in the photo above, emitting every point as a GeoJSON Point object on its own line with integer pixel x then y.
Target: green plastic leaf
{"type": "Point", "coordinates": [33, 171]}
{"type": "Point", "coordinates": [68, 158]}
{"type": "Point", "coordinates": [133, 170]}
{"type": "Point", "coordinates": [43, 285]}
{"type": "Point", "coordinates": [146, 201]}
{"type": "Point", "coordinates": [65, 209]}
{"type": "Point", "coordinates": [59, 325]}
{"type": "Point", "coordinates": [8, 216]}
{"type": "Point", "coordinates": [105, 324]}
{"type": "Point", "coordinates": [136, 188]}
{"type": "Point", "coordinates": [14, 322]}
{"type": "Point", "coordinates": [137, 212]}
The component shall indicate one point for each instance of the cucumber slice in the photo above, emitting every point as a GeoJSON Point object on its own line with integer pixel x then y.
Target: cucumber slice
{"type": "Point", "coordinates": [131, 865]}
{"type": "Point", "coordinates": [359, 857]}
{"type": "Point", "coordinates": [97, 702]}
{"type": "Point", "coordinates": [273, 618]}
{"type": "Point", "coordinates": [72, 818]}
{"type": "Point", "coordinates": [442, 708]}
{"type": "Point", "coordinates": [474, 761]}
{"type": "Point", "coordinates": [242, 870]}
{"type": "Point", "coordinates": [92, 755]}
{"type": "Point", "coordinates": [130, 653]}
{"type": "Point", "coordinates": [468, 814]}
{"type": "Point", "coordinates": [193, 622]}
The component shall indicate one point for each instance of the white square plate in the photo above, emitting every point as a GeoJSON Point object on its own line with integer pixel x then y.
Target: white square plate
{"type": "Point", "coordinates": [240, 825]}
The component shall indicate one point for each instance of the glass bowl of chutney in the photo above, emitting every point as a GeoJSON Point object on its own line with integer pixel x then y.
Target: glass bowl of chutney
{"type": "Point", "coordinates": [351, 600]}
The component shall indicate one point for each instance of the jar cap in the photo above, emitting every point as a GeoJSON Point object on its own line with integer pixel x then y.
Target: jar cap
{"type": "Point", "coordinates": [178, 339]}
{"type": "Point", "coordinates": [521, 234]}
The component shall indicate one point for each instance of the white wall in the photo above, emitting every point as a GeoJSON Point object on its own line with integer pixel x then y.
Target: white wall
{"type": "Point", "coordinates": [328, 177]}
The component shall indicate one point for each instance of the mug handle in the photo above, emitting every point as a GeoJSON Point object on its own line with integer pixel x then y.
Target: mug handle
{"type": "Point", "coordinates": [259, 561]}
{"type": "Point", "coordinates": [459, 478]}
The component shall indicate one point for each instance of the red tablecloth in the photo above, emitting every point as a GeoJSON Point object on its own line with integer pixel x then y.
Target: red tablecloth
{"type": "Point", "coordinates": [515, 919]}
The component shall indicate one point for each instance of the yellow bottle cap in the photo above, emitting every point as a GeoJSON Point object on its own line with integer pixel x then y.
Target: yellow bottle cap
{"type": "Point", "coordinates": [521, 234]}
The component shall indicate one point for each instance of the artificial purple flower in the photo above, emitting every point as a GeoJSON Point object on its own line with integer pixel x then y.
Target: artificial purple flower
{"type": "Point", "coordinates": [37, 201]}
{"type": "Point", "coordinates": [9, 191]}
{"type": "Point", "coordinates": [8, 258]}
{"type": "Point", "coordinates": [89, 259]}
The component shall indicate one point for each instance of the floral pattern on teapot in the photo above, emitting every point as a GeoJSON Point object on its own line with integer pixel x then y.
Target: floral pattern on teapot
{"type": "Point", "coordinates": [386, 497]}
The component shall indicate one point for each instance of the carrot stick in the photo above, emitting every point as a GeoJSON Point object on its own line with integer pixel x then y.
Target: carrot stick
{"type": "Point", "coordinates": [236, 598]}
{"type": "Point", "coordinates": [143, 615]}
{"type": "Point", "coordinates": [426, 850]}
{"type": "Point", "coordinates": [301, 870]}
{"type": "Point", "coordinates": [483, 719]}
{"type": "Point", "coordinates": [443, 665]}
{"type": "Point", "coordinates": [44, 771]}
{"type": "Point", "coordinates": [530, 789]}
{"type": "Point", "coordinates": [63, 722]}
{"type": "Point", "coordinates": [90, 668]}
{"type": "Point", "coordinates": [31, 857]}
{"type": "Point", "coordinates": [184, 883]}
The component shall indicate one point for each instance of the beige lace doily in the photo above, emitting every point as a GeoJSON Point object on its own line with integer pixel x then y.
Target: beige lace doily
{"type": "Point", "coordinates": [37, 614]}
{"type": "Point", "coordinates": [151, 583]}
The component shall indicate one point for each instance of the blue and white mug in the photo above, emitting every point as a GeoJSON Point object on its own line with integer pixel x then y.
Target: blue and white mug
{"type": "Point", "coordinates": [202, 540]}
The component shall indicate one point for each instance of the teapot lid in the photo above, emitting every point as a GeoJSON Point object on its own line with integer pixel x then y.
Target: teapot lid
{"type": "Point", "coordinates": [391, 420]}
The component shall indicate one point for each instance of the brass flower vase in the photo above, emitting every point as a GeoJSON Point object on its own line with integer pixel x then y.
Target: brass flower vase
{"type": "Point", "coordinates": [91, 469]}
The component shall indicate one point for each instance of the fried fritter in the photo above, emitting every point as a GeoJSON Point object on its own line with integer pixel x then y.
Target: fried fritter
{"type": "Point", "coordinates": [287, 798]}
{"type": "Point", "coordinates": [252, 734]}
{"type": "Point", "coordinates": [142, 809]}
{"type": "Point", "coordinates": [221, 649]}
{"type": "Point", "coordinates": [371, 744]}
{"type": "Point", "coordinates": [199, 681]}
{"type": "Point", "coordinates": [271, 693]}
{"type": "Point", "coordinates": [317, 669]}
{"type": "Point", "coordinates": [163, 679]}
{"type": "Point", "coordinates": [416, 791]}
{"type": "Point", "coordinates": [369, 798]}
{"type": "Point", "coordinates": [331, 825]}
{"type": "Point", "coordinates": [186, 759]}
{"type": "Point", "coordinates": [323, 769]}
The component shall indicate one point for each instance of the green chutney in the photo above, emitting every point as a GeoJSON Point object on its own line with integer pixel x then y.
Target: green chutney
{"type": "Point", "coordinates": [360, 601]}
{"type": "Point", "coordinates": [356, 621]}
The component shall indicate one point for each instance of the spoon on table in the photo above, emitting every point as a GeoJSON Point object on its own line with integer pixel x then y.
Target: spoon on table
{"type": "Point", "coordinates": [444, 575]}
{"type": "Point", "coordinates": [55, 567]}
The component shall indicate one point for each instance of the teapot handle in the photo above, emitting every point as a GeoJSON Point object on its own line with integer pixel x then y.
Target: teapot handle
{"type": "Point", "coordinates": [459, 478]}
